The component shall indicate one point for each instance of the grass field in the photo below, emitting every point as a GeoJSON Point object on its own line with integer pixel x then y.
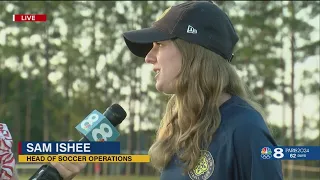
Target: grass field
{"type": "Point", "coordinates": [122, 178]}
{"type": "Point", "coordinates": [106, 178]}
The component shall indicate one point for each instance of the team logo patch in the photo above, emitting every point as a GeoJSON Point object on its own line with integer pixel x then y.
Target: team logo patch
{"type": "Point", "coordinates": [204, 168]}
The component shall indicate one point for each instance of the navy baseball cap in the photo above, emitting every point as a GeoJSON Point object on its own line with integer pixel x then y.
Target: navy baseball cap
{"type": "Point", "coordinates": [198, 22]}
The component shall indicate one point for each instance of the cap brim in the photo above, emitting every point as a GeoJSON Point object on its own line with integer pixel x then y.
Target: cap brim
{"type": "Point", "coordinates": [140, 42]}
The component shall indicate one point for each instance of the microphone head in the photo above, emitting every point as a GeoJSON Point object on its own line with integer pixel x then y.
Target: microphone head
{"type": "Point", "coordinates": [115, 114]}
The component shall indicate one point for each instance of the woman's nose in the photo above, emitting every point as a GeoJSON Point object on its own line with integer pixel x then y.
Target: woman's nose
{"type": "Point", "coordinates": [150, 58]}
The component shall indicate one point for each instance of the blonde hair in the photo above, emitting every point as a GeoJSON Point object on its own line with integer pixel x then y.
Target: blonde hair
{"type": "Point", "coordinates": [192, 114]}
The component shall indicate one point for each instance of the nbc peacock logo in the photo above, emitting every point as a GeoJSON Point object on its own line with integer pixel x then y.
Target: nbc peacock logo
{"type": "Point", "coordinates": [266, 153]}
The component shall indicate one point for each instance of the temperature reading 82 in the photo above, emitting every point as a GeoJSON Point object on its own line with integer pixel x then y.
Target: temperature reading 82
{"type": "Point", "coordinates": [293, 156]}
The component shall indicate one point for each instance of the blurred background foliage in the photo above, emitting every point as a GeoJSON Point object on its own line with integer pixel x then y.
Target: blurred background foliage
{"type": "Point", "coordinates": [53, 74]}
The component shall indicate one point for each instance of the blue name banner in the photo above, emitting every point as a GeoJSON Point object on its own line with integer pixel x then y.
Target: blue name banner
{"type": "Point", "coordinates": [40, 148]}
{"type": "Point", "coordinates": [290, 153]}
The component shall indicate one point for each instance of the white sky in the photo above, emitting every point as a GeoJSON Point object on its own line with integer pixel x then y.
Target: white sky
{"type": "Point", "coordinates": [307, 106]}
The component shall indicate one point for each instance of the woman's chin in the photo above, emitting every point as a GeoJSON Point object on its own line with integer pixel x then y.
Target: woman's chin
{"type": "Point", "coordinates": [159, 86]}
{"type": "Point", "coordinates": [164, 88]}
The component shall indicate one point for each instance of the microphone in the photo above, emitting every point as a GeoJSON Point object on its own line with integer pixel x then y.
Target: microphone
{"type": "Point", "coordinates": [7, 160]}
{"type": "Point", "coordinates": [92, 128]}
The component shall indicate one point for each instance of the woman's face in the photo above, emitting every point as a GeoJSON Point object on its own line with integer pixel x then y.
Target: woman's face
{"type": "Point", "coordinates": [166, 60]}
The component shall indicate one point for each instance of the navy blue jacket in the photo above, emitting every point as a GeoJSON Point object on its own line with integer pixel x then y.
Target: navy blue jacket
{"type": "Point", "coordinates": [234, 153]}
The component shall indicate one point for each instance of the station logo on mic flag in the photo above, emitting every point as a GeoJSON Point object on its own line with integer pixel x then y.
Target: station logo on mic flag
{"type": "Point", "coordinates": [96, 127]}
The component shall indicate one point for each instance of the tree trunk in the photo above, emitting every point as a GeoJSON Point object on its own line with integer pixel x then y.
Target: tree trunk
{"type": "Point", "coordinates": [132, 116]}
{"type": "Point", "coordinates": [283, 87]}
{"type": "Point", "coordinates": [138, 165]}
{"type": "Point", "coordinates": [28, 107]}
{"type": "Point", "coordinates": [292, 102]}
{"type": "Point", "coordinates": [3, 88]}
{"type": "Point", "coordinates": [18, 99]}
{"type": "Point", "coordinates": [17, 115]}
{"type": "Point", "coordinates": [92, 80]}
{"type": "Point", "coordinates": [67, 133]}
{"type": "Point", "coordinates": [292, 89]}
{"type": "Point", "coordinates": [46, 83]}
{"type": "Point", "coordinates": [304, 138]}
{"type": "Point", "coordinates": [284, 96]}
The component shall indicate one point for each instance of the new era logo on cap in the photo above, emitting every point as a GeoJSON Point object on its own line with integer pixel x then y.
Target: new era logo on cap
{"type": "Point", "coordinates": [191, 30]}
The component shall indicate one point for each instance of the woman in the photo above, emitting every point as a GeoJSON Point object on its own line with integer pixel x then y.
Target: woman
{"type": "Point", "coordinates": [212, 129]}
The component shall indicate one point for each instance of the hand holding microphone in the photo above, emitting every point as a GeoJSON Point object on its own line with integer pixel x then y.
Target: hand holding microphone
{"type": "Point", "coordinates": [95, 127]}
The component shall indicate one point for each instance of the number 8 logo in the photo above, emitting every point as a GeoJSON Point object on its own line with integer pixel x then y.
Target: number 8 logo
{"type": "Point", "coordinates": [105, 135]}
{"type": "Point", "coordinates": [278, 153]}
{"type": "Point", "coordinates": [89, 121]}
